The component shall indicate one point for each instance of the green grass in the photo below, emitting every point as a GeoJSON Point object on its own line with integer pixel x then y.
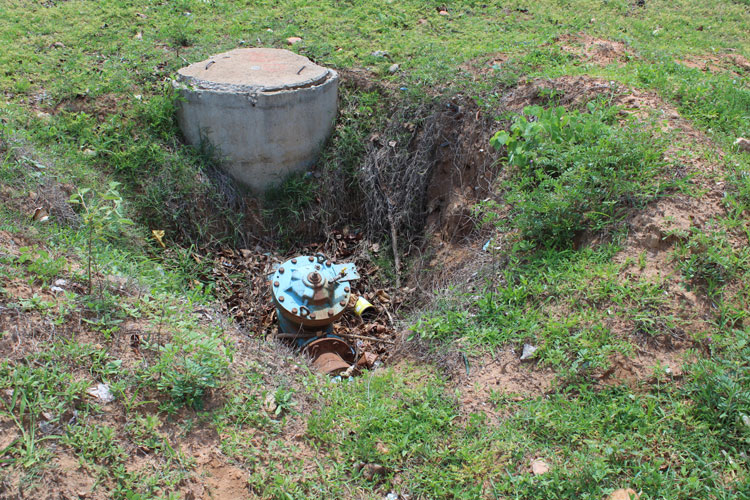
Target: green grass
{"type": "Point", "coordinates": [595, 440]}
{"type": "Point", "coordinates": [97, 72]}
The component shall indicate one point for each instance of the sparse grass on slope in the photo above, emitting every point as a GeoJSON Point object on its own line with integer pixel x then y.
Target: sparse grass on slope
{"type": "Point", "coordinates": [86, 101]}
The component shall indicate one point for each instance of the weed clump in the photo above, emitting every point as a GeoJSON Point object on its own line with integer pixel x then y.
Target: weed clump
{"type": "Point", "coordinates": [576, 172]}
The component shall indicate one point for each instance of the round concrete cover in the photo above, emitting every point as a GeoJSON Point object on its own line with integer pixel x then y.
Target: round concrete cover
{"type": "Point", "coordinates": [258, 69]}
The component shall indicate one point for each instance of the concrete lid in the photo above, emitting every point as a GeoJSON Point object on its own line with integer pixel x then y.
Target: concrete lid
{"type": "Point", "coordinates": [258, 69]}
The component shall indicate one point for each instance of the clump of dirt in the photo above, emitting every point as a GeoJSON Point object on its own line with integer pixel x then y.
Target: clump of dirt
{"type": "Point", "coordinates": [500, 375]}
{"type": "Point", "coordinates": [736, 64]}
{"type": "Point", "coordinates": [484, 65]}
{"type": "Point", "coordinates": [596, 50]}
{"type": "Point", "coordinates": [568, 91]}
{"type": "Point", "coordinates": [100, 106]}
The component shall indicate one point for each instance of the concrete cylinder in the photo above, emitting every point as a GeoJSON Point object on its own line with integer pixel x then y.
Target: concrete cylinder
{"type": "Point", "coordinates": [266, 112]}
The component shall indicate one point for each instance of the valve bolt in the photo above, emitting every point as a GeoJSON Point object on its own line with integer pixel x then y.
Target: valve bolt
{"type": "Point", "coordinates": [347, 289]}
{"type": "Point", "coordinates": [342, 303]}
{"type": "Point", "coordinates": [330, 313]}
{"type": "Point", "coordinates": [294, 310]}
{"type": "Point", "coordinates": [275, 283]}
{"type": "Point", "coordinates": [281, 270]}
{"type": "Point", "coordinates": [311, 258]}
{"type": "Point", "coordinates": [294, 261]}
{"type": "Point", "coordinates": [328, 263]}
{"type": "Point", "coordinates": [281, 299]}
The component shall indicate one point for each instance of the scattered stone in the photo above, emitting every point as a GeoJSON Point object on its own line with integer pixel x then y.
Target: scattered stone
{"type": "Point", "coordinates": [528, 352]}
{"type": "Point", "coordinates": [138, 36]}
{"type": "Point", "coordinates": [379, 53]}
{"type": "Point", "coordinates": [539, 467]}
{"type": "Point", "coordinates": [624, 494]}
{"type": "Point", "coordinates": [102, 393]}
{"type": "Point", "coordinates": [443, 12]}
{"type": "Point", "coordinates": [746, 420]}
{"type": "Point", "coordinates": [269, 404]}
{"type": "Point", "coordinates": [46, 427]}
{"type": "Point", "coordinates": [56, 289]}
{"type": "Point", "coordinates": [58, 45]}
{"type": "Point", "coordinates": [393, 68]}
{"type": "Point", "coordinates": [371, 471]}
{"type": "Point", "coordinates": [391, 496]}
{"type": "Point", "coordinates": [743, 144]}
{"type": "Point", "coordinates": [89, 152]}
{"type": "Point", "coordinates": [292, 40]}
{"type": "Point", "coordinates": [61, 282]}
{"type": "Point", "coordinates": [42, 115]}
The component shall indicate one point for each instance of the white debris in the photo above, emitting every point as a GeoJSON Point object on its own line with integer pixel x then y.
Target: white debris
{"type": "Point", "coordinates": [528, 351]}
{"type": "Point", "coordinates": [102, 393]}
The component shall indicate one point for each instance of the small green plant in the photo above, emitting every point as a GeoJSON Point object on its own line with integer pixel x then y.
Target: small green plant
{"type": "Point", "coordinates": [40, 263]}
{"type": "Point", "coordinates": [576, 172]}
{"type": "Point", "coordinates": [102, 216]}
{"type": "Point", "coordinates": [189, 365]}
{"type": "Point", "coordinates": [708, 260]}
{"type": "Point", "coordinates": [284, 399]}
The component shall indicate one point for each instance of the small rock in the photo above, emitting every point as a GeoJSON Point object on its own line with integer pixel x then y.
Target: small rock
{"type": "Point", "coordinates": [746, 420]}
{"type": "Point", "coordinates": [623, 494]}
{"type": "Point", "coordinates": [528, 352]}
{"type": "Point", "coordinates": [102, 393]}
{"type": "Point", "coordinates": [46, 427]}
{"type": "Point", "coordinates": [58, 45]}
{"type": "Point", "coordinates": [269, 404]}
{"type": "Point", "coordinates": [292, 40]}
{"type": "Point", "coordinates": [393, 68]}
{"type": "Point", "coordinates": [56, 289]}
{"type": "Point", "coordinates": [138, 36]}
{"type": "Point", "coordinates": [370, 471]}
{"type": "Point", "coordinates": [61, 282]}
{"type": "Point", "coordinates": [89, 152]}
{"type": "Point", "coordinates": [539, 467]}
{"type": "Point", "coordinates": [443, 12]}
{"type": "Point", "coordinates": [42, 115]}
{"type": "Point", "coordinates": [379, 53]}
{"type": "Point", "coordinates": [47, 416]}
{"type": "Point", "coordinates": [743, 144]}
{"type": "Point", "coordinates": [391, 496]}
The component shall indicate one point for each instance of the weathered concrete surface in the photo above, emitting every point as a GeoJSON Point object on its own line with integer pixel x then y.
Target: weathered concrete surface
{"type": "Point", "coordinates": [267, 112]}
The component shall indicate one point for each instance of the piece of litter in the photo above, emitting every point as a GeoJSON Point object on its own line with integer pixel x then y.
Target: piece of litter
{"type": "Point", "coordinates": [528, 352]}
{"type": "Point", "coordinates": [102, 393]}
